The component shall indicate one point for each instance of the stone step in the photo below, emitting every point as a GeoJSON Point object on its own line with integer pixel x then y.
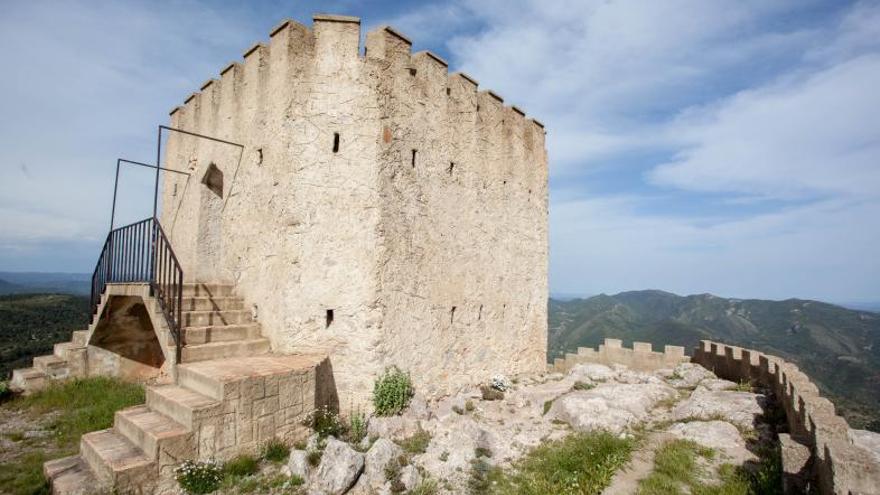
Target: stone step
{"type": "Point", "coordinates": [208, 318]}
{"type": "Point", "coordinates": [71, 476]}
{"type": "Point", "coordinates": [211, 377]}
{"type": "Point", "coordinates": [212, 304]}
{"type": "Point", "coordinates": [207, 290]}
{"type": "Point", "coordinates": [27, 380]}
{"type": "Point", "coordinates": [219, 350]}
{"type": "Point", "coordinates": [224, 333]}
{"type": "Point", "coordinates": [180, 403]}
{"type": "Point", "coordinates": [80, 338]}
{"type": "Point", "coordinates": [52, 365]}
{"type": "Point", "coordinates": [148, 429]}
{"type": "Point", "coordinates": [115, 461]}
{"type": "Point", "coordinates": [62, 349]}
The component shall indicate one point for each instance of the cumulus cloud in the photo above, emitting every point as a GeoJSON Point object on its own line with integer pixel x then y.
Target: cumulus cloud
{"type": "Point", "coordinates": [764, 108]}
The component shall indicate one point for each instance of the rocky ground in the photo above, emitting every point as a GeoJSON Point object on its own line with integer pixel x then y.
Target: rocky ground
{"type": "Point", "coordinates": [688, 402]}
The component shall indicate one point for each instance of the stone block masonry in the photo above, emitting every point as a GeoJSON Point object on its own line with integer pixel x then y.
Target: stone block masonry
{"type": "Point", "coordinates": [641, 357]}
{"type": "Point", "coordinates": [836, 465]}
{"type": "Point", "coordinates": [385, 211]}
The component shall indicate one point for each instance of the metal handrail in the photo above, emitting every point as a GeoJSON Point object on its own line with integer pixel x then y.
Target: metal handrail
{"type": "Point", "coordinates": [141, 252]}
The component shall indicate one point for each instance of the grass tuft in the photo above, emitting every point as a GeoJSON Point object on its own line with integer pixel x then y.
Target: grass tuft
{"type": "Point", "coordinates": [582, 463]}
{"type": "Point", "coordinates": [275, 451]}
{"type": "Point", "coordinates": [416, 444]}
{"type": "Point", "coordinates": [76, 407]}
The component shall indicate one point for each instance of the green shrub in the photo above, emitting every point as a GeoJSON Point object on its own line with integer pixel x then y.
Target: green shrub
{"type": "Point", "coordinates": [416, 444]}
{"type": "Point", "coordinates": [275, 450]}
{"type": "Point", "coordinates": [243, 465]}
{"type": "Point", "coordinates": [392, 392]}
{"type": "Point", "coordinates": [357, 426]}
{"type": "Point", "coordinates": [197, 477]}
{"type": "Point", "coordinates": [325, 422]}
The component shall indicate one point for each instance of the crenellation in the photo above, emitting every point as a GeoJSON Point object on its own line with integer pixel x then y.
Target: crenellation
{"type": "Point", "coordinates": [207, 83]}
{"type": "Point", "coordinates": [837, 465]}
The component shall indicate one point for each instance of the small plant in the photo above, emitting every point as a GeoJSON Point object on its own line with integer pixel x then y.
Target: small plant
{"type": "Point", "coordinates": [275, 450]}
{"type": "Point", "coordinates": [482, 452]}
{"type": "Point", "coordinates": [444, 456]}
{"type": "Point", "coordinates": [198, 477]}
{"type": "Point", "coordinates": [469, 406]}
{"type": "Point", "coordinates": [426, 487]}
{"type": "Point", "coordinates": [4, 390]}
{"type": "Point", "coordinates": [416, 444]}
{"type": "Point", "coordinates": [357, 426]}
{"type": "Point", "coordinates": [579, 385]}
{"type": "Point", "coordinates": [314, 457]}
{"type": "Point", "coordinates": [547, 405]}
{"type": "Point", "coordinates": [457, 410]}
{"type": "Point", "coordinates": [392, 392]}
{"type": "Point", "coordinates": [482, 476]}
{"type": "Point", "coordinates": [296, 480]}
{"type": "Point", "coordinates": [744, 386]}
{"type": "Point", "coordinates": [243, 465]}
{"type": "Point", "coordinates": [490, 393]}
{"type": "Point", "coordinates": [500, 383]}
{"type": "Point", "coordinates": [324, 422]}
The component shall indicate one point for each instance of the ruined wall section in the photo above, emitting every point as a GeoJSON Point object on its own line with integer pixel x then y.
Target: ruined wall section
{"type": "Point", "coordinates": [294, 228]}
{"type": "Point", "coordinates": [463, 226]}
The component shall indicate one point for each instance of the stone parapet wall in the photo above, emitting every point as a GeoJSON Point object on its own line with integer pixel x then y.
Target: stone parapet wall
{"type": "Point", "coordinates": [836, 465]}
{"type": "Point", "coordinates": [641, 357]}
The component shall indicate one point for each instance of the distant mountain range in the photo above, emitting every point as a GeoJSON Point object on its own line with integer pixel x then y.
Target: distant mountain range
{"type": "Point", "coordinates": [838, 347]}
{"type": "Point", "coordinates": [38, 282]}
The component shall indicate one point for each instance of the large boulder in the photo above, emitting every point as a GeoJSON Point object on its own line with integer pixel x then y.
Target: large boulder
{"type": "Point", "coordinates": [393, 427]}
{"type": "Point", "coordinates": [610, 407]}
{"type": "Point", "coordinates": [593, 372]}
{"type": "Point", "coordinates": [298, 464]}
{"type": "Point", "coordinates": [867, 440]}
{"type": "Point", "coordinates": [339, 468]}
{"type": "Point", "coordinates": [739, 408]}
{"type": "Point", "coordinates": [689, 375]}
{"type": "Point", "coordinates": [381, 454]}
{"type": "Point", "coordinates": [719, 435]}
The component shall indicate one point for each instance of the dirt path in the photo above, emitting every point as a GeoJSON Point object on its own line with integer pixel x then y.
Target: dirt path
{"type": "Point", "coordinates": [626, 480]}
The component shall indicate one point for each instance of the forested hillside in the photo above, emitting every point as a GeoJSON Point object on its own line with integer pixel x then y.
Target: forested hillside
{"type": "Point", "coordinates": [839, 348]}
{"type": "Point", "coordinates": [30, 324]}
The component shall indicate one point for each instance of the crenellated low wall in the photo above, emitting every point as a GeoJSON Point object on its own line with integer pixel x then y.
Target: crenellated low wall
{"type": "Point", "coordinates": [641, 357]}
{"type": "Point", "coordinates": [836, 465]}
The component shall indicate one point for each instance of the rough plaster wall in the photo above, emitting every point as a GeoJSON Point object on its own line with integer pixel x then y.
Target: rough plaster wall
{"type": "Point", "coordinates": [298, 220]}
{"type": "Point", "coordinates": [463, 274]}
{"type": "Point", "coordinates": [390, 248]}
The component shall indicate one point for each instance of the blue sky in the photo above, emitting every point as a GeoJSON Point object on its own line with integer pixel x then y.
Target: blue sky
{"type": "Point", "coordinates": [695, 145]}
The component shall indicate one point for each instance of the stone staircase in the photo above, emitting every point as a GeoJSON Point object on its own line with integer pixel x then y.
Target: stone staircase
{"type": "Point", "coordinates": [216, 410]}
{"type": "Point", "coordinates": [215, 325]}
{"type": "Point", "coordinates": [68, 360]}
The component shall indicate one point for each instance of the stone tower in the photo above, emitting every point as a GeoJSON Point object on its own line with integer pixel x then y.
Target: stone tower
{"type": "Point", "coordinates": [383, 211]}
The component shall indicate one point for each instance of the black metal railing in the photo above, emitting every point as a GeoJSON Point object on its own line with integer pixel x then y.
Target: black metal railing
{"type": "Point", "coordinates": [140, 252]}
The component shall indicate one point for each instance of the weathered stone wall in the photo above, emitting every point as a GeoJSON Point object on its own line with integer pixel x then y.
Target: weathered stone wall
{"type": "Point", "coordinates": [462, 275]}
{"type": "Point", "coordinates": [641, 357]}
{"type": "Point", "coordinates": [439, 269]}
{"type": "Point", "coordinates": [837, 465]}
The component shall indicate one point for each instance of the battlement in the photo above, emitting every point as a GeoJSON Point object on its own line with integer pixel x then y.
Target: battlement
{"type": "Point", "coordinates": [837, 465]}
{"type": "Point", "coordinates": [641, 357]}
{"type": "Point", "coordinates": [332, 42]}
